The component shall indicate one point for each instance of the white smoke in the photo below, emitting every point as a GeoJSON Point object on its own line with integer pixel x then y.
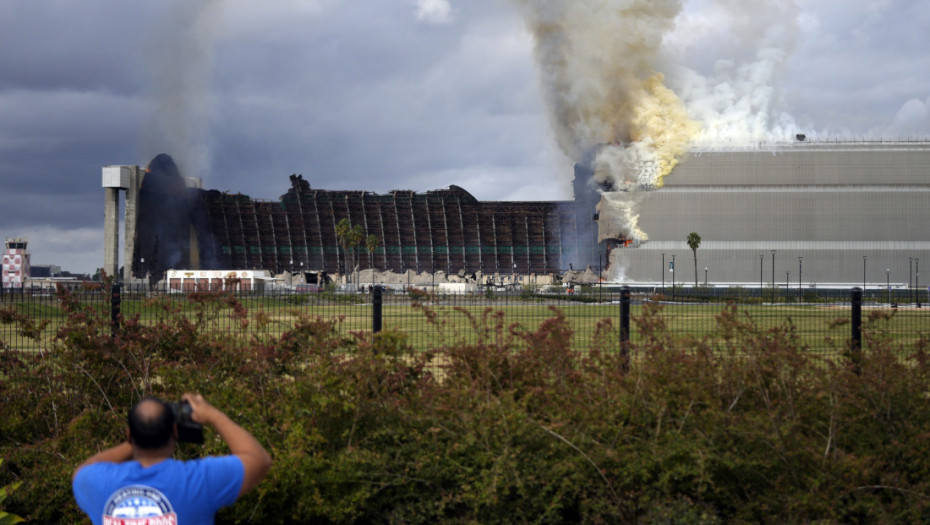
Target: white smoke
{"type": "Point", "coordinates": [618, 213]}
{"type": "Point", "coordinates": [179, 55]}
{"type": "Point", "coordinates": [912, 120]}
{"type": "Point", "coordinates": [434, 11]}
{"type": "Point", "coordinates": [736, 99]}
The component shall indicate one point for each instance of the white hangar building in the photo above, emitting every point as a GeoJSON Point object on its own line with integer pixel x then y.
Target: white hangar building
{"type": "Point", "coordinates": [826, 213]}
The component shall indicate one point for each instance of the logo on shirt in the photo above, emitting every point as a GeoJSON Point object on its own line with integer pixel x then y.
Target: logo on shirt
{"type": "Point", "coordinates": [138, 505]}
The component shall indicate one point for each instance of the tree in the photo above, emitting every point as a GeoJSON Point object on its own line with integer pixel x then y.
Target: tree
{"type": "Point", "coordinates": [349, 238]}
{"type": "Point", "coordinates": [694, 240]}
{"type": "Point", "coordinates": [371, 243]}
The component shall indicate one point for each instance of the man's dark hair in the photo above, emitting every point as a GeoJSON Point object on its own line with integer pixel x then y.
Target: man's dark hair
{"type": "Point", "coordinates": [151, 423]}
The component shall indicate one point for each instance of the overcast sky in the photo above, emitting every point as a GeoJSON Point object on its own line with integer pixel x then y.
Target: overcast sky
{"type": "Point", "coordinates": [381, 95]}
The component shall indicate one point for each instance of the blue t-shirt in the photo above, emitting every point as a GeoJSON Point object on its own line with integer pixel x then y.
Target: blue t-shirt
{"type": "Point", "coordinates": [168, 493]}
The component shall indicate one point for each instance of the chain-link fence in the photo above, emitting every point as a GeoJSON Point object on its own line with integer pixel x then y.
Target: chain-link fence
{"type": "Point", "coordinates": [822, 321]}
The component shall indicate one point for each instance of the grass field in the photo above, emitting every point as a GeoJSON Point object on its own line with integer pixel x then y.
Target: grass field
{"type": "Point", "coordinates": [821, 327]}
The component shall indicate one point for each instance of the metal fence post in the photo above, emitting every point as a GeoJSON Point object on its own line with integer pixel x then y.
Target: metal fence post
{"type": "Point", "coordinates": [625, 326]}
{"type": "Point", "coordinates": [115, 301]}
{"type": "Point", "coordinates": [856, 325]}
{"type": "Point", "coordinates": [376, 307]}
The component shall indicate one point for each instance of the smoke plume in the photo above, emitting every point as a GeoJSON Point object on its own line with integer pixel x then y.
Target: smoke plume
{"type": "Point", "coordinates": [604, 64]}
{"type": "Point", "coordinates": [734, 95]}
{"type": "Point", "coordinates": [600, 68]}
{"type": "Point", "coordinates": [179, 55]}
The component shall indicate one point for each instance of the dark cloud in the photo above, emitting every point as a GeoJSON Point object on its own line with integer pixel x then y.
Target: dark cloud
{"type": "Point", "coordinates": [361, 94]}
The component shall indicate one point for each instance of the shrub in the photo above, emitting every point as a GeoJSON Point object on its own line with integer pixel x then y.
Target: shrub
{"type": "Point", "coordinates": [509, 425]}
{"type": "Point", "coordinates": [5, 517]}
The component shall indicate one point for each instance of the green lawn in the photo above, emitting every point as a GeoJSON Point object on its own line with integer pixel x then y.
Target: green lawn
{"type": "Point", "coordinates": [818, 326]}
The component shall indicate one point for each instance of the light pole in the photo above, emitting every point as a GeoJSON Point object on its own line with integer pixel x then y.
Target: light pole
{"type": "Point", "coordinates": [761, 257]}
{"type": "Point", "coordinates": [888, 283]}
{"type": "Point", "coordinates": [788, 273]}
{"type": "Point", "coordinates": [863, 273]}
{"type": "Point", "coordinates": [773, 276]}
{"type": "Point", "coordinates": [910, 274]}
{"type": "Point", "coordinates": [800, 274]}
{"type": "Point", "coordinates": [705, 276]}
{"type": "Point", "coordinates": [673, 276]}
{"type": "Point", "coordinates": [917, 279]}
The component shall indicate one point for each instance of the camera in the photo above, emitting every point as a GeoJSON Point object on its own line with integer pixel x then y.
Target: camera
{"type": "Point", "coordinates": [189, 431]}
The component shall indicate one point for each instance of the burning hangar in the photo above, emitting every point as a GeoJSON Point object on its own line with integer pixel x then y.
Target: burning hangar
{"type": "Point", "coordinates": [172, 223]}
{"type": "Point", "coordinates": [800, 214]}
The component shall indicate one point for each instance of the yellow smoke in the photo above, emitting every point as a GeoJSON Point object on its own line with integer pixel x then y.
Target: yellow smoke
{"type": "Point", "coordinates": [660, 121]}
{"type": "Point", "coordinates": [599, 63]}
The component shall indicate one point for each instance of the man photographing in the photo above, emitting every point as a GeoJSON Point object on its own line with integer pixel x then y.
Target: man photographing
{"type": "Point", "coordinates": [139, 483]}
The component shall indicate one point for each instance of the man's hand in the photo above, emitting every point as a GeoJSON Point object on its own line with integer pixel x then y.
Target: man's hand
{"type": "Point", "coordinates": [255, 459]}
{"type": "Point", "coordinates": [201, 411]}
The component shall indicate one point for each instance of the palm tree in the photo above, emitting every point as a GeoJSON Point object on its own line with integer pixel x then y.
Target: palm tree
{"type": "Point", "coordinates": [371, 243]}
{"type": "Point", "coordinates": [349, 237]}
{"type": "Point", "coordinates": [694, 240]}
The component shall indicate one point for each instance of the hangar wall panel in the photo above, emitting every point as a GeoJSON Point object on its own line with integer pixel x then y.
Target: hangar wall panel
{"type": "Point", "coordinates": [853, 212]}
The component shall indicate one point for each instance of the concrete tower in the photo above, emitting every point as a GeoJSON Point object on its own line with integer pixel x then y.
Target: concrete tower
{"type": "Point", "coordinates": [116, 178]}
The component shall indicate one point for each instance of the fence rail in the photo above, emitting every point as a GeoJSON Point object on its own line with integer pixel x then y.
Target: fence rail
{"type": "Point", "coordinates": [830, 321]}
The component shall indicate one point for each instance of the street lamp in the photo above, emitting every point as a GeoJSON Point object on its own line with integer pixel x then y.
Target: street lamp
{"type": "Point", "coordinates": [910, 273]}
{"type": "Point", "coordinates": [761, 257]}
{"type": "Point", "coordinates": [800, 273]}
{"type": "Point", "coordinates": [863, 273]}
{"type": "Point", "coordinates": [673, 275]}
{"type": "Point", "coordinates": [773, 276]}
{"type": "Point", "coordinates": [888, 283]}
{"type": "Point", "coordinates": [705, 276]}
{"type": "Point", "coordinates": [917, 279]}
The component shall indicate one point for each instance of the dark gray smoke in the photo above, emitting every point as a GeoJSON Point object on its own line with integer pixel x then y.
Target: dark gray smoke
{"type": "Point", "coordinates": [179, 56]}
